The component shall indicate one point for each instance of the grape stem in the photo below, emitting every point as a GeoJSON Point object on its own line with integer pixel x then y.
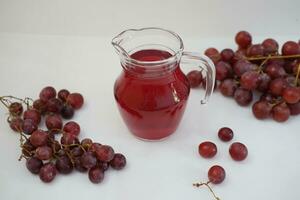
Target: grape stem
{"type": "Point", "coordinates": [260, 68]}
{"type": "Point", "coordinates": [208, 186]}
{"type": "Point", "coordinates": [297, 76]}
{"type": "Point", "coordinates": [272, 57]}
{"type": "Point", "coordinates": [5, 100]}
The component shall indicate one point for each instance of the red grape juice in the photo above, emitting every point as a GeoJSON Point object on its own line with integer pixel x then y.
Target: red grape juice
{"type": "Point", "coordinates": [152, 107]}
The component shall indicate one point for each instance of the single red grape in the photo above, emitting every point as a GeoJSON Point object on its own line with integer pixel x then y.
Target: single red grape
{"type": "Point", "coordinates": [96, 175]}
{"type": "Point", "coordinates": [216, 174]}
{"type": "Point", "coordinates": [88, 160]}
{"type": "Point", "coordinates": [243, 39]}
{"type": "Point", "coordinates": [228, 87]}
{"type": "Point", "coordinates": [270, 46]}
{"type": "Point", "coordinates": [76, 151]}
{"type": "Point", "coordinates": [207, 149]}
{"type": "Point", "coordinates": [275, 71]}
{"type": "Point", "coordinates": [78, 166]}
{"type": "Point", "coordinates": [53, 122]}
{"type": "Point", "coordinates": [227, 55]}
{"type": "Point", "coordinates": [54, 105]}
{"type": "Point", "coordinates": [281, 112]}
{"type": "Point", "coordinates": [47, 93]}
{"type": "Point", "coordinates": [195, 78]}
{"type": "Point", "coordinates": [105, 153]}
{"type": "Point", "coordinates": [242, 66]}
{"type": "Point", "coordinates": [40, 106]}
{"type": "Point", "coordinates": [67, 111]}
{"type": "Point", "coordinates": [16, 124]}
{"type": "Point", "coordinates": [255, 50]}
{"type": "Point", "coordinates": [264, 81]}
{"type": "Point", "coordinates": [47, 172]}
{"type": "Point", "coordinates": [15, 109]}
{"type": "Point", "coordinates": [261, 109]}
{"type": "Point", "coordinates": [290, 48]}
{"type": "Point", "coordinates": [291, 94]}
{"type": "Point", "coordinates": [75, 100]}
{"type": "Point", "coordinates": [38, 138]}
{"type": "Point", "coordinates": [225, 134]}
{"type": "Point", "coordinates": [243, 97]}
{"type": "Point", "coordinates": [118, 162]}
{"type": "Point", "coordinates": [64, 165]}
{"type": "Point", "coordinates": [223, 70]}
{"type": "Point", "coordinates": [250, 80]}
{"type": "Point", "coordinates": [32, 114]}
{"type": "Point", "coordinates": [43, 152]}
{"type": "Point", "coordinates": [238, 151]}
{"type": "Point", "coordinates": [63, 95]}
{"type": "Point", "coordinates": [294, 108]}
{"type": "Point", "coordinates": [72, 127]}
{"type": "Point", "coordinates": [34, 165]}
{"type": "Point", "coordinates": [68, 139]}
{"type": "Point", "coordinates": [277, 86]}
{"type": "Point", "coordinates": [29, 126]}
{"type": "Point", "coordinates": [213, 54]}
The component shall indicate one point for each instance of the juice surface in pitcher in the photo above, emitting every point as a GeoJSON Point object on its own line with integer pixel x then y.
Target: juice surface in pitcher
{"type": "Point", "coordinates": [152, 107]}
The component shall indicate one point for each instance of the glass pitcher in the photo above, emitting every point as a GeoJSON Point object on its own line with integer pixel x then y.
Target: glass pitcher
{"type": "Point", "coordinates": [152, 91]}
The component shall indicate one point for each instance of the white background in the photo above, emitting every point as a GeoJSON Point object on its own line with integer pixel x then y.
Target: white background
{"type": "Point", "coordinates": [66, 43]}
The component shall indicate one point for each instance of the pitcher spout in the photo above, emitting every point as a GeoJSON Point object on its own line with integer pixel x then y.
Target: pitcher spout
{"type": "Point", "coordinates": [119, 42]}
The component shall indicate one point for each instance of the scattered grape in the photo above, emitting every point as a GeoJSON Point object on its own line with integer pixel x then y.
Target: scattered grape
{"type": "Point", "coordinates": [225, 134]}
{"type": "Point", "coordinates": [216, 174]}
{"type": "Point", "coordinates": [207, 149]}
{"type": "Point", "coordinates": [238, 151]}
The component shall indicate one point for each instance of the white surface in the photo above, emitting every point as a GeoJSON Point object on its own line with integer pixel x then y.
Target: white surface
{"type": "Point", "coordinates": [35, 52]}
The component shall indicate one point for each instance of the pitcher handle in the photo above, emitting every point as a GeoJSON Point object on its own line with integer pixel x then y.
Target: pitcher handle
{"type": "Point", "coordinates": [208, 66]}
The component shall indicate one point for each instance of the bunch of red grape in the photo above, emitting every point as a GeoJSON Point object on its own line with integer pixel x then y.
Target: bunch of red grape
{"type": "Point", "coordinates": [216, 174]}
{"type": "Point", "coordinates": [58, 149]}
{"type": "Point", "coordinates": [258, 68]}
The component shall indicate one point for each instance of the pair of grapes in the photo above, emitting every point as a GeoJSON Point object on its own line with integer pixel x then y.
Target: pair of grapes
{"type": "Point", "coordinates": [47, 155]}
{"type": "Point", "coordinates": [207, 149]}
{"type": "Point", "coordinates": [258, 68]}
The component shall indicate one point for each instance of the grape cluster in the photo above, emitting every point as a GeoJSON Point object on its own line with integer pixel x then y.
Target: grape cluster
{"type": "Point", "coordinates": [58, 149]}
{"type": "Point", "coordinates": [258, 69]}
